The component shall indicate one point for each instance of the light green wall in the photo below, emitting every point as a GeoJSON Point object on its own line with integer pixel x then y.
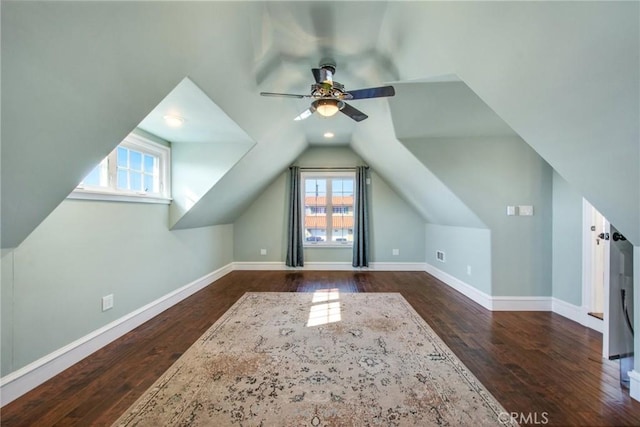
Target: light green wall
{"type": "Point", "coordinates": [567, 242]}
{"type": "Point", "coordinates": [488, 174]}
{"type": "Point", "coordinates": [394, 224]}
{"type": "Point", "coordinates": [463, 247]}
{"type": "Point", "coordinates": [84, 250]}
{"type": "Point", "coordinates": [636, 304]}
{"type": "Point", "coordinates": [198, 167]}
{"type": "Point", "coordinates": [6, 306]}
{"type": "Point", "coordinates": [261, 226]}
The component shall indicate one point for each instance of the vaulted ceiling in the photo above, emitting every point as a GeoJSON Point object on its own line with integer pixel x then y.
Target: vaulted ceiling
{"type": "Point", "coordinates": [77, 77]}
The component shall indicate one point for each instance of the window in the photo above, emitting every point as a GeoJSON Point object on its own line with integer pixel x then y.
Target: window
{"type": "Point", "coordinates": [137, 170]}
{"type": "Point", "coordinates": [328, 199]}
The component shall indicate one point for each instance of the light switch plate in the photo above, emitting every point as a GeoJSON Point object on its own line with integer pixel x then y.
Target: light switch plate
{"type": "Point", "coordinates": [511, 211]}
{"type": "Point", "coordinates": [525, 210]}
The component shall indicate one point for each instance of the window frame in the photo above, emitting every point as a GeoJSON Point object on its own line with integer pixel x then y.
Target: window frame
{"type": "Point", "coordinates": [111, 192]}
{"type": "Point", "coordinates": [328, 175]}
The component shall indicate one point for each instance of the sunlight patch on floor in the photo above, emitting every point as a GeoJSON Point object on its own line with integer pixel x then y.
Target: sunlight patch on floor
{"type": "Point", "coordinates": [325, 308]}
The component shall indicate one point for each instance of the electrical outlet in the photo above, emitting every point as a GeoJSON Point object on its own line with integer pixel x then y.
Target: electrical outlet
{"type": "Point", "coordinates": [468, 270]}
{"type": "Point", "coordinates": [440, 256]}
{"type": "Point", "coordinates": [263, 251]}
{"type": "Point", "coordinates": [395, 251]}
{"type": "Point", "coordinates": [107, 302]}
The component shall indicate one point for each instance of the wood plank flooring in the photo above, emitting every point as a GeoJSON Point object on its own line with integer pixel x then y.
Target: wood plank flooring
{"type": "Point", "coordinates": [540, 366]}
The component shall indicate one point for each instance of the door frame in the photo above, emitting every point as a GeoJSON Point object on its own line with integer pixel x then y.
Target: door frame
{"type": "Point", "coordinates": [588, 243]}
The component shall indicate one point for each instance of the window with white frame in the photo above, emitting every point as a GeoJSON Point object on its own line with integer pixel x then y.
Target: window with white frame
{"type": "Point", "coordinates": [137, 170]}
{"type": "Point", "coordinates": [327, 202]}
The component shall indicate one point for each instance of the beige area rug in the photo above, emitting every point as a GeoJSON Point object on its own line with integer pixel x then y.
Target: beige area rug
{"type": "Point", "coordinates": [317, 359]}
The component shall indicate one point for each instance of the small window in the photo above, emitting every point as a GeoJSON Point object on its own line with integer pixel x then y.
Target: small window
{"type": "Point", "coordinates": [328, 200]}
{"type": "Point", "coordinates": [137, 170]}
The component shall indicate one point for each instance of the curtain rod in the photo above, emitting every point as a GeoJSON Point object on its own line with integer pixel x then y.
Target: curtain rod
{"type": "Point", "coordinates": [328, 168]}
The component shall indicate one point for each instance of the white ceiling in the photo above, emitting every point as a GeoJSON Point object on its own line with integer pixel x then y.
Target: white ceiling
{"type": "Point", "coordinates": [562, 75]}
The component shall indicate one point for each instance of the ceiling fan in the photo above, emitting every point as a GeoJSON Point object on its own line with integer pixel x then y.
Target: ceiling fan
{"type": "Point", "coordinates": [329, 95]}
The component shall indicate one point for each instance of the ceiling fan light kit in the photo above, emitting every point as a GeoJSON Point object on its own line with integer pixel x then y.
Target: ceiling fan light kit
{"type": "Point", "coordinates": [329, 95]}
{"type": "Point", "coordinates": [327, 107]}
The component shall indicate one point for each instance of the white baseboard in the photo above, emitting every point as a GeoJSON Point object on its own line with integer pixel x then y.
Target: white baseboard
{"type": "Point", "coordinates": [568, 310]}
{"type": "Point", "coordinates": [577, 314]}
{"type": "Point", "coordinates": [634, 384]}
{"type": "Point", "coordinates": [250, 265]}
{"type": "Point", "coordinates": [27, 378]}
{"type": "Point", "coordinates": [465, 289]}
{"type": "Point", "coordinates": [398, 266]}
{"type": "Point", "coordinates": [509, 303]}
{"type": "Point", "coordinates": [518, 303]}
{"type": "Point", "coordinates": [335, 266]}
{"type": "Point", "coordinates": [592, 322]}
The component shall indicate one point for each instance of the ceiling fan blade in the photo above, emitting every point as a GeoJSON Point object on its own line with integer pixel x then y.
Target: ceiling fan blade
{"type": "Point", "coordinates": [285, 95]}
{"type": "Point", "coordinates": [322, 75]}
{"type": "Point", "coordinates": [306, 113]}
{"type": "Point", "coordinates": [373, 92]}
{"type": "Point", "coordinates": [354, 113]}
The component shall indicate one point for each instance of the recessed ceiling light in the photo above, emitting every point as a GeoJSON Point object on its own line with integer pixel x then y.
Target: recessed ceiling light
{"type": "Point", "coordinates": [329, 134]}
{"type": "Point", "coordinates": [173, 121]}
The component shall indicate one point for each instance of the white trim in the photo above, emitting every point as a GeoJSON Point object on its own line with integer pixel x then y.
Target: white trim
{"type": "Point", "coordinates": [460, 286]}
{"type": "Point", "coordinates": [109, 191]}
{"type": "Point", "coordinates": [27, 378]}
{"type": "Point", "coordinates": [593, 322]}
{"type": "Point", "coordinates": [326, 175]}
{"type": "Point", "coordinates": [568, 310]}
{"type": "Point", "coordinates": [398, 266]}
{"type": "Point", "coordinates": [336, 266]}
{"type": "Point", "coordinates": [634, 384]}
{"type": "Point", "coordinates": [267, 266]}
{"type": "Point", "coordinates": [519, 303]}
{"type": "Point", "coordinates": [339, 266]}
{"type": "Point", "coordinates": [81, 194]}
{"type": "Point", "coordinates": [577, 314]}
{"type": "Point", "coordinates": [587, 251]}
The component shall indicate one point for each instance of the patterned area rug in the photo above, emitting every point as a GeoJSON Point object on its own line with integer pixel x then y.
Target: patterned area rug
{"type": "Point", "coordinates": [317, 359]}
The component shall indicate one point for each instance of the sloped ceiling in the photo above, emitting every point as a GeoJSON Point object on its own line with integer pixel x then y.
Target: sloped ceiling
{"type": "Point", "coordinates": [78, 76]}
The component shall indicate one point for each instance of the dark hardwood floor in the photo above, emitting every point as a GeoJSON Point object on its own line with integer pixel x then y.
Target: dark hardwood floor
{"type": "Point", "coordinates": [541, 366]}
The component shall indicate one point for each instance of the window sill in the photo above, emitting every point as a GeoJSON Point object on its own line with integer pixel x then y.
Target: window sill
{"type": "Point", "coordinates": [112, 197]}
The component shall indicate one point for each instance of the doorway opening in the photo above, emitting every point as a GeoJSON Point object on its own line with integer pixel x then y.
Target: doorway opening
{"type": "Point", "coordinates": [607, 287]}
{"type": "Point", "coordinates": [595, 254]}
